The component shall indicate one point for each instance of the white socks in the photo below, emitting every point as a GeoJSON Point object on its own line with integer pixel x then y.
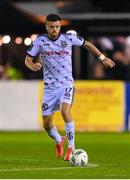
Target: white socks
{"type": "Point", "coordinates": [53, 133]}
{"type": "Point", "coordinates": [69, 127]}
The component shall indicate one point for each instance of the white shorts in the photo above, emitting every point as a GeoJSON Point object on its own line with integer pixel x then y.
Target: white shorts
{"type": "Point", "coordinates": [53, 99]}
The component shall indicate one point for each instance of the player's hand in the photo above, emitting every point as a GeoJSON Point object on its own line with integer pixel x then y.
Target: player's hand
{"type": "Point", "coordinates": [37, 66]}
{"type": "Point", "coordinates": [108, 62]}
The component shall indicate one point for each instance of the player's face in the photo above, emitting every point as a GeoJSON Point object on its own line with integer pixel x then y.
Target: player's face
{"type": "Point", "coordinates": [53, 28]}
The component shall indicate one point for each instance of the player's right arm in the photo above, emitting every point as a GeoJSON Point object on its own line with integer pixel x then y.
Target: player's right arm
{"type": "Point", "coordinates": [31, 65]}
{"type": "Point", "coordinates": [105, 60]}
{"type": "Point", "coordinates": [79, 41]}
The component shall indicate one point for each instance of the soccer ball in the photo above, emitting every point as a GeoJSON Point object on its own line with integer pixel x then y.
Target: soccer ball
{"type": "Point", "coordinates": [78, 157]}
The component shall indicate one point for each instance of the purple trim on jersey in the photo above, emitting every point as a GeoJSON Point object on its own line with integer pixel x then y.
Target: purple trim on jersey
{"type": "Point", "coordinates": [53, 39]}
{"type": "Point", "coordinates": [31, 55]}
{"type": "Point", "coordinates": [73, 95]}
{"type": "Point", "coordinates": [83, 42]}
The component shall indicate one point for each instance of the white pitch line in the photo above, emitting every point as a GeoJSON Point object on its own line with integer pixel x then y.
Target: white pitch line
{"type": "Point", "coordinates": [27, 160]}
{"type": "Point", "coordinates": [92, 165]}
{"type": "Point", "coordinates": [51, 168]}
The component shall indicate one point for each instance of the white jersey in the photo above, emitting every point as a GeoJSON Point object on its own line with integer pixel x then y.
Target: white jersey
{"type": "Point", "coordinates": [57, 58]}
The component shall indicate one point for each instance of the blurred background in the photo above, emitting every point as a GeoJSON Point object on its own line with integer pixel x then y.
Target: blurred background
{"type": "Point", "coordinates": [104, 93]}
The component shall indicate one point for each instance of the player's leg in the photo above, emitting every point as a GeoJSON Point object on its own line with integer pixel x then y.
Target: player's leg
{"type": "Point", "coordinates": [66, 104]}
{"type": "Point", "coordinates": [69, 128]}
{"type": "Point", "coordinates": [51, 128]}
{"type": "Point", "coordinates": [48, 106]}
{"type": "Point", "coordinates": [53, 133]}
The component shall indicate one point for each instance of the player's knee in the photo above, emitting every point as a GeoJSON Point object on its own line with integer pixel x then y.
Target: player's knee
{"type": "Point", "coordinates": [47, 126]}
{"type": "Point", "coordinates": [47, 123]}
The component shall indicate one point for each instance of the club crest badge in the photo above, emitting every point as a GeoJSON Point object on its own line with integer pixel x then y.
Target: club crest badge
{"type": "Point", "coordinates": [63, 44]}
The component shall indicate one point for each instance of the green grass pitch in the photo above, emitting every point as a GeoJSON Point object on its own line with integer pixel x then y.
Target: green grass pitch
{"type": "Point", "coordinates": [31, 155]}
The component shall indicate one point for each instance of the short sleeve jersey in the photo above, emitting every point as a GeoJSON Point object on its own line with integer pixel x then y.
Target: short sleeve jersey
{"type": "Point", "coordinates": [57, 58]}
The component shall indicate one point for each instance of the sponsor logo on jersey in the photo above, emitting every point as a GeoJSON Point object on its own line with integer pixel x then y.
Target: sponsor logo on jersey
{"type": "Point", "coordinates": [53, 53]}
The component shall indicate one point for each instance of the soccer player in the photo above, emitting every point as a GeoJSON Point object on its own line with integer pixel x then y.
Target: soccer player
{"type": "Point", "coordinates": [55, 50]}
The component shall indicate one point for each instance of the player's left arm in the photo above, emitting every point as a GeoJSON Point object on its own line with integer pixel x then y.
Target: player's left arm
{"type": "Point", "coordinates": [105, 60]}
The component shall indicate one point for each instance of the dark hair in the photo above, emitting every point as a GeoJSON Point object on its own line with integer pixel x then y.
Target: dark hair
{"type": "Point", "coordinates": [53, 17]}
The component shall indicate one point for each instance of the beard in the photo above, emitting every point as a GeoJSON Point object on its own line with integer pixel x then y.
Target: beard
{"type": "Point", "coordinates": [53, 35]}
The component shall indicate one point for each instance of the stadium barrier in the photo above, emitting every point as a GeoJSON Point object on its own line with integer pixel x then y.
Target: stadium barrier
{"type": "Point", "coordinates": [97, 106]}
{"type": "Point", "coordinates": [19, 105]}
